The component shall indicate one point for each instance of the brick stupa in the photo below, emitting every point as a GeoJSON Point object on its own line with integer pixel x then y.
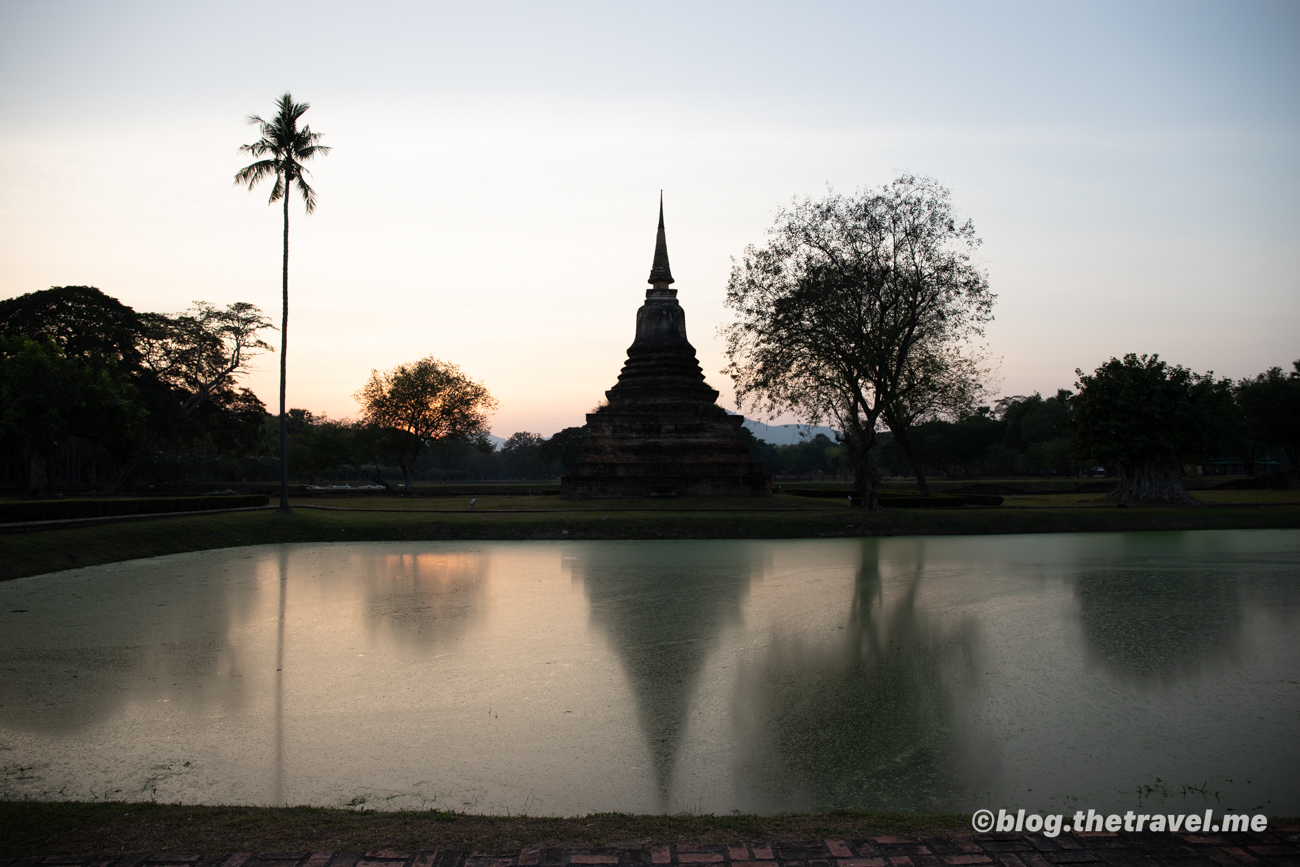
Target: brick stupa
{"type": "Point", "coordinates": [661, 432]}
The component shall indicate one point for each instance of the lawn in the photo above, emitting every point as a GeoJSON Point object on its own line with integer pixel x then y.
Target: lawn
{"type": "Point", "coordinates": [780, 517]}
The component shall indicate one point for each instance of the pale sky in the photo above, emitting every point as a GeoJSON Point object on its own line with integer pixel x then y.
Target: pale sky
{"type": "Point", "coordinates": [491, 199]}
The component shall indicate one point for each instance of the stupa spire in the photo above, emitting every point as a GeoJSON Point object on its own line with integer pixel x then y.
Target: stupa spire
{"type": "Point", "coordinates": [660, 274]}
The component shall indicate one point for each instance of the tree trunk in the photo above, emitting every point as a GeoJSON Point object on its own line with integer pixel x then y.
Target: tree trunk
{"type": "Point", "coordinates": [38, 482]}
{"type": "Point", "coordinates": [905, 442]}
{"type": "Point", "coordinates": [408, 472]}
{"type": "Point", "coordinates": [1154, 481]}
{"type": "Point", "coordinates": [866, 480]}
{"type": "Point", "coordinates": [284, 357]}
{"type": "Point", "coordinates": [127, 469]}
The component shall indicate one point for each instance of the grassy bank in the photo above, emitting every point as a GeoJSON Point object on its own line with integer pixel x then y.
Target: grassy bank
{"type": "Point", "coordinates": [36, 552]}
{"type": "Point", "coordinates": [29, 828]}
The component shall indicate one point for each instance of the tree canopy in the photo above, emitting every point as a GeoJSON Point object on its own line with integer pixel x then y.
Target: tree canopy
{"type": "Point", "coordinates": [851, 300]}
{"type": "Point", "coordinates": [428, 400]}
{"type": "Point", "coordinates": [79, 363]}
{"type": "Point", "coordinates": [1270, 406]}
{"type": "Point", "coordinates": [1149, 418]}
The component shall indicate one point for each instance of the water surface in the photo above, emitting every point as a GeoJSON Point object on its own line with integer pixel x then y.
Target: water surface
{"type": "Point", "coordinates": [1047, 672]}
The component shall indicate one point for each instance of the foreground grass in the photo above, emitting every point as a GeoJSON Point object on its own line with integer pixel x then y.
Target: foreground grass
{"type": "Point", "coordinates": [37, 552]}
{"type": "Point", "coordinates": [29, 828]}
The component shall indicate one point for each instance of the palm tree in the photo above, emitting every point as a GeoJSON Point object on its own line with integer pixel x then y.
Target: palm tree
{"type": "Point", "coordinates": [284, 148]}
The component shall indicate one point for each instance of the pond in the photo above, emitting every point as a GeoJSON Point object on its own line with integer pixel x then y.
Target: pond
{"type": "Point", "coordinates": [1049, 672]}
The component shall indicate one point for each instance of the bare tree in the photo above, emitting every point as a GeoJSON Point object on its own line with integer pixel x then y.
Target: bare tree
{"type": "Point", "coordinates": [848, 297]}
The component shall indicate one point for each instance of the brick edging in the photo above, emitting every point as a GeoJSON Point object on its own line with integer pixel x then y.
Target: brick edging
{"type": "Point", "coordinates": [1279, 847]}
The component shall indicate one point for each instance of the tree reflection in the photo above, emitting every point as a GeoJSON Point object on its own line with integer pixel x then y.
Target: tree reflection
{"type": "Point", "coordinates": [165, 636]}
{"type": "Point", "coordinates": [863, 720]}
{"type": "Point", "coordinates": [1158, 623]}
{"type": "Point", "coordinates": [424, 599]}
{"type": "Point", "coordinates": [662, 609]}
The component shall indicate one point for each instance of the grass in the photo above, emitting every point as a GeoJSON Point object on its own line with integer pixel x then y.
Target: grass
{"type": "Point", "coordinates": [30, 828]}
{"type": "Point", "coordinates": [36, 552]}
{"type": "Point", "coordinates": [489, 503]}
{"type": "Point", "coordinates": [1213, 498]}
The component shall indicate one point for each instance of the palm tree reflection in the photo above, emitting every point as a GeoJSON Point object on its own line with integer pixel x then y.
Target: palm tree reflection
{"type": "Point", "coordinates": [864, 720]}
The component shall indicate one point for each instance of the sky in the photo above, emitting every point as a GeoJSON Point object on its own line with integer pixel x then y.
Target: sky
{"type": "Point", "coordinates": [492, 193]}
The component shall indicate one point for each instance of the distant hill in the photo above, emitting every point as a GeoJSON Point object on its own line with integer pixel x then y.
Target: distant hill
{"type": "Point", "coordinates": [787, 434]}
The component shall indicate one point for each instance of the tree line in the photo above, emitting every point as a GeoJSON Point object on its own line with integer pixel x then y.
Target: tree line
{"type": "Point", "coordinates": [865, 312]}
{"type": "Point", "coordinates": [84, 376]}
{"type": "Point", "coordinates": [862, 311]}
{"type": "Point", "coordinates": [1254, 422]}
{"type": "Point", "coordinates": [99, 396]}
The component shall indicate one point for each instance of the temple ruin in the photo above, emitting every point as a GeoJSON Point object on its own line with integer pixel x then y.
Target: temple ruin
{"type": "Point", "coordinates": [661, 432]}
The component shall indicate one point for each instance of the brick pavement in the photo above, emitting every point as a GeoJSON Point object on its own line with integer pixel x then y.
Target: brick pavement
{"type": "Point", "coordinates": [1278, 847]}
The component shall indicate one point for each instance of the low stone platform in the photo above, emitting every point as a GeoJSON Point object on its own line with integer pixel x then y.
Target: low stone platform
{"type": "Point", "coordinates": [1279, 847]}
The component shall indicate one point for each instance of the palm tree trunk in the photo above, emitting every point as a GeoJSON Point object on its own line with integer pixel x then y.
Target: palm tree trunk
{"type": "Point", "coordinates": [284, 354]}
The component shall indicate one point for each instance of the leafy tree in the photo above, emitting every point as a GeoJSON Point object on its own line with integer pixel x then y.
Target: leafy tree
{"type": "Point", "coordinates": [195, 357]}
{"type": "Point", "coordinates": [46, 397]}
{"type": "Point", "coordinates": [86, 324]}
{"type": "Point", "coordinates": [198, 352]}
{"type": "Point", "coordinates": [1270, 404]}
{"type": "Point", "coordinates": [522, 455]}
{"type": "Point", "coordinates": [846, 297]}
{"type": "Point", "coordinates": [957, 448]}
{"type": "Point", "coordinates": [427, 401]}
{"type": "Point", "coordinates": [1148, 418]}
{"type": "Point", "coordinates": [1038, 432]}
{"type": "Point", "coordinates": [762, 451]}
{"type": "Point", "coordinates": [819, 454]}
{"type": "Point", "coordinates": [142, 375]}
{"type": "Point", "coordinates": [283, 148]}
{"type": "Point", "coordinates": [324, 445]}
{"type": "Point", "coordinates": [564, 447]}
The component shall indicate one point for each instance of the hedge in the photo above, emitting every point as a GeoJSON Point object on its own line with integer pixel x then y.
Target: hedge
{"type": "Point", "coordinates": [53, 510]}
{"type": "Point", "coordinates": [905, 501]}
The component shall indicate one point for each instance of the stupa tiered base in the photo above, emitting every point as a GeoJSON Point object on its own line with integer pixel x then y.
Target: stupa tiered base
{"type": "Point", "coordinates": [663, 452]}
{"type": "Point", "coordinates": [662, 434]}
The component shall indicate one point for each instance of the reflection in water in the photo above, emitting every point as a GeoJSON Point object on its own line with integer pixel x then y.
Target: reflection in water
{"type": "Point", "coordinates": [424, 599]}
{"type": "Point", "coordinates": [662, 611]}
{"type": "Point", "coordinates": [568, 678]}
{"type": "Point", "coordinates": [1158, 623]}
{"type": "Point", "coordinates": [861, 721]}
{"type": "Point", "coordinates": [134, 642]}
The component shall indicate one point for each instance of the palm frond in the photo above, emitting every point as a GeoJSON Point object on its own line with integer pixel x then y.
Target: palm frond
{"type": "Point", "coordinates": [308, 194]}
{"type": "Point", "coordinates": [253, 174]}
{"type": "Point", "coordinates": [286, 147]}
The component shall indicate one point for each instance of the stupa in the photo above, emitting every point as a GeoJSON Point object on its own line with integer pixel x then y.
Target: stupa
{"type": "Point", "coordinates": [661, 432]}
